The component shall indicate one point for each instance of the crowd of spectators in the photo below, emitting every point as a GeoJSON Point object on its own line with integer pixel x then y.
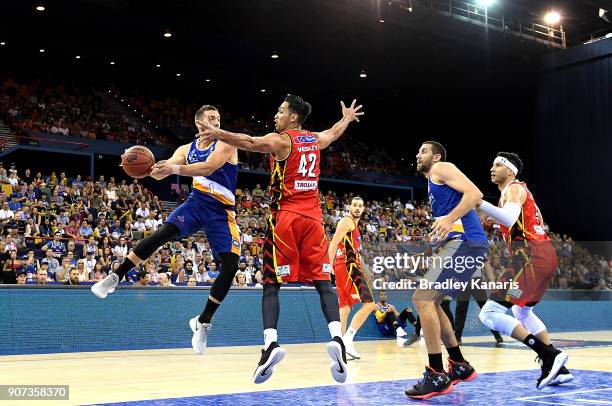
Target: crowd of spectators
{"type": "Point", "coordinates": [66, 108]}
{"type": "Point", "coordinates": [57, 229]}
{"type": "Point", "coordinates": [89, 226]}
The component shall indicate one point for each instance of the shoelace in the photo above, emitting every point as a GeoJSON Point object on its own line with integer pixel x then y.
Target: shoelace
{"type": "Point", "coordinates": [422, 381]}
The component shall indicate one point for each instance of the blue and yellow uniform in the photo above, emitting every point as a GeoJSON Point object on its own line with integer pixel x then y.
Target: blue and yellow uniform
{"type": "Point", "coordinates": [385, 326]}
{"type": "Point", "coordinates": [443, 200]}
{"type": "Point", "coordinates": [463, 252]}
{"type": "Point", "coordinates": [210, 206]}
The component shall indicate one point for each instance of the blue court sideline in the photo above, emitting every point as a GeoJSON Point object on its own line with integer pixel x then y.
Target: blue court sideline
{"type": "Point", "coordinates": [489, 389]}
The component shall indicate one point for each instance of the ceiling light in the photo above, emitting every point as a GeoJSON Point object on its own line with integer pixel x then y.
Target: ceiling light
{"type": "Point", "coordinates": [2, 43]}
{"type": "Point", "coordinates": [552, 18]}
{"type": "Point", "coordinates": [381, 21]}
{"type": "Point", "coordinates": [77, 57]}
{"type": "Point", "coordinates": [363, 74]}
{"type": "Point", "coordinates": [158, 66]}
{"type": "Point", "coordinates": [178, 75]}
{"type": "Point", "coordinates": [42, 51]}
{"type": "Point", "coordinates": [208, 80]}
{"type": "Point", "coordinates": [167, 34]}
{"type": "Point", "coordinates": [40, 7]}
{"type": "Point", "coordinates": [274, 55]}
{"type": "Point", "coordinates": [262, 90]}
{"type": "Point", "coordinates": [486, 3]}
{"type": "Point", "coordinates": [112, 63]}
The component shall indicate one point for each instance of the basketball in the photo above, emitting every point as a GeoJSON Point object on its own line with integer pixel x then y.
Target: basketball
{"type": "Point", "coordinates": [137, 161]}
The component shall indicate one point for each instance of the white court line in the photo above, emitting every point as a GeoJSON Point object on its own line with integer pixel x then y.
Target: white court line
{"type": "Point", "coordinates": [564, 394]}
{"type": "Point", "coordinates": [549, 403]}
{"type": "Point", "coordinates": [599, 402]}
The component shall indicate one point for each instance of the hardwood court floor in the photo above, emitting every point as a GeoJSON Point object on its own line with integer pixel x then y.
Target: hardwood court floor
{"type": "Point", "coordinates": [120, 376]}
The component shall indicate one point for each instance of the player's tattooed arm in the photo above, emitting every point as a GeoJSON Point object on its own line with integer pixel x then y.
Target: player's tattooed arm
{"type": "Point", "coordinates": [344, 226]}
{"type": "Point", "coordinates": [272, 143]}
{"type": "Point", "coordinates": [349, 114]}
{"type": "Point", "coordinates": [513, 201]}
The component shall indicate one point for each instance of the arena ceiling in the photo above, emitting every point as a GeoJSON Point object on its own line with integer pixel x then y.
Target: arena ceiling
{"type": "Point", "coordinates": [320, 43]}
{"type": "Point", "coordinates": [426, 75]}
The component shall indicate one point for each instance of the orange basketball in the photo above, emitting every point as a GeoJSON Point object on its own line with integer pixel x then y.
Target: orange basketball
{"type": "Point", "coordinates": [137, 161]}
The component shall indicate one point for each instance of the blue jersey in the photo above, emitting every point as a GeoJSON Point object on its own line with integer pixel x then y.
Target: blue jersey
{"type": "Point", "coordinates": [221, 184]}
{"type": "Point", "coordinates": [443, 200]}
{"type": "Point", "coordinates": [210, 207]}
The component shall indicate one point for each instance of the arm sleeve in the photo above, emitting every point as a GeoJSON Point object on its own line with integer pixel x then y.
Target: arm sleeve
{"type": "Point", "coordinates": [506, 215]}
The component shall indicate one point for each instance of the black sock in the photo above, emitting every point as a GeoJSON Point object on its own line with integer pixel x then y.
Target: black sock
{"type": "Point", "coordinates": [417, 326]}
{"type": "Point", "coordinates": [538, 346]}
{"type": "Point", "coordinates": [123, 269]}
{"type": "Point", "coordinates": [455, 354]}
{"type": "Point", "coordinates": [435, 362]}
{"type": "Point", "coordinates": [209, 310]}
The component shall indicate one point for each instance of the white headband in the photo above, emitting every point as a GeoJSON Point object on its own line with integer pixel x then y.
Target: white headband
{"type": "Point", "coordinates": [507, 163]}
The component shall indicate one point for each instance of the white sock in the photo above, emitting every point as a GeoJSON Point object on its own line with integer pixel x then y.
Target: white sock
{"type": "Point", "coordinates": [335, 329]}
{"type": "Point", "coordinates": [350, 334]}
{"type": "Point", "coordinates": [400, 332]}
{"type": "Point", "coordinates": [270, 336]}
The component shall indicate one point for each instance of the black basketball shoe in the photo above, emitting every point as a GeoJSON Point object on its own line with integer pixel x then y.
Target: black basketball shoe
{"type": "Point", "coordinates": [270, 357]}
{"type": "Point", "coordinates": [460, 371]}
{"type": "Point", "coordinates": [550, 365]}
{"type": "Point", "coordinates": [433, 384]}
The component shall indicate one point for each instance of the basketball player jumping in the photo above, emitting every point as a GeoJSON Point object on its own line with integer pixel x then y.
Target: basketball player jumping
{"type": "Point", "coordinates": [295, 248]}
{"type": "Point", "coordinates": [461, 246]}
{"type": "Point", "coordinates": [534, 262]}
{"type": "Point", "coordinates": [210, 207]}
{"type": "Point", "coordinates": [352, 284]}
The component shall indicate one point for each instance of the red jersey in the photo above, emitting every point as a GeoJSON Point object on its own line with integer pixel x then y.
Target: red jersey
{"type": "Point", "coordinates": [529, 226]}
{"type": "Point", "coordinates": [349, 247]}
{"type": "Point", "coordinates": [294, 181]}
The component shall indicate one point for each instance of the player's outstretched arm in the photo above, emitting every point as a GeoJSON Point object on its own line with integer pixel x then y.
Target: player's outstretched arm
{"type": "Point", "coordinates": [180, 155]}
{"type": "Point", "coordinates": [449, 174]}
{"type": "Point", "coordinates": [349, 114]}
{"type": "Point", "coordinates": [222, 154]}
{"type": "Point", "coordinates": [507, 215]}
{"type": "Point", "coordinates": [271, 143]}
{"type": "Point", "coordinates": [344, 226]}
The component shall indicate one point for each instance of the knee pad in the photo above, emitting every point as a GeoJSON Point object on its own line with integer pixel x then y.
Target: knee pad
{"type": "Point", "coordinates": [493, 315]}
{"type": "Point", "coordinates": [528, 318]}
